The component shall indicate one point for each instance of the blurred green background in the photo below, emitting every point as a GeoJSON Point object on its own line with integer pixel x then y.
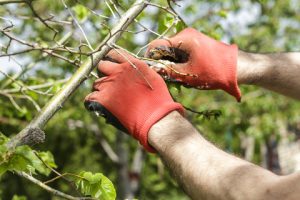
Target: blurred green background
{"type": "Point", "coordinates": [79, 140]}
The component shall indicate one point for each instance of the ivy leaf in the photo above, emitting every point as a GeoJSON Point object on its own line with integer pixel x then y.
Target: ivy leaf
{"type": "Point", "coordinates": [96, 185]}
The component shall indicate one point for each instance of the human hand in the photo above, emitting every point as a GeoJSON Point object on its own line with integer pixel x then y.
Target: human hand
{"type": "Point", "coordinates": [131, 96]}
{"type": "Point", "coordinates": [200, 61]}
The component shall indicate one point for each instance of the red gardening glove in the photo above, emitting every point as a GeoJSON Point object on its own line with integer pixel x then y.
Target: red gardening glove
{"type": "Point", "coordinates": [207, 63]}
{"type": "Point", "coordinates": [133, 98]}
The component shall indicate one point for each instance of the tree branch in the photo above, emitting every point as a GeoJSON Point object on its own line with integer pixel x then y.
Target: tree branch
{"type": "Point", "coordinates": [104, 144]}
{"type": "Point", "coordinates": [80, 75]}
{"type": "Point", "coordinates": [49, 189]}
{"type": "Point", "coordinates": [3, 2]}
{"type": "Point", "coordinates": [78, 24]}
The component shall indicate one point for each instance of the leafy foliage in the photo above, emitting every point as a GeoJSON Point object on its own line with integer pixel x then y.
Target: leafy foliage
{"type": "Point", "coordinates": [24, 159]}
{"type": "Point", "coordinates": [96, 185]}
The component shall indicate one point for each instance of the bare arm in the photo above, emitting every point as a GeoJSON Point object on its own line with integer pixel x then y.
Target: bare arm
{"type": "Point", "coordinates": [206, 172]}
{"type": "Point", "coordinates": [279, 72]}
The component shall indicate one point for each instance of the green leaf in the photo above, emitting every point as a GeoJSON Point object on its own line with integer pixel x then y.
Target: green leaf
{"type": "Point", "coordinates": [165, 23]}
{"type": "Point", "coordinates": [3, 168]}
{"type": "Point", "coordinates": [168, 20]}
{"type": "Point", "coordinates": [24, 159]}
{"type": "Point", "coordinates": [81, 12]}
{"type": "Point", "coordinates": [18, 163]}
{"type": "Point", "coordinates": [174, 88]}
{"type": "Point", "coordinates": [96, 185]}
{"type": "Point", "coordinates": [222, 13]}
{"type": "Point", "coordinates": [47, 158]}
{"type": "Point", "coordinates": [33, 162]}
{"type": "Point", "coordinates": [180, 26]}
{"type": "Point", "coordinates": [17, 197]}
{"type": "Point", "coordinates": [108, 190]}
{"type": "Point", "coordinates": [4, 155]}
{"type": "Point", "coordinates": [3, 147]}
{"type": "Point", "coordinates": [3, 138]}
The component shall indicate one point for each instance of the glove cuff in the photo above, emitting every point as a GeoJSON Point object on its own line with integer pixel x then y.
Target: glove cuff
{"type": "Point", "coordinates": [230, 61]}
{"type": "Point", "coordinates": [163, 110]}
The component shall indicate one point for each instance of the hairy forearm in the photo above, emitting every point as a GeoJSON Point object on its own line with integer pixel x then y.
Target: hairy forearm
{"type": "Point", "coordinates": [204, 171]}
{"type": "Point", "coordinates": [278, 72]}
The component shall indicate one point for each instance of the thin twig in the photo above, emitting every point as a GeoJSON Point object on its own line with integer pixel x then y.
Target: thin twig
{"type": "Point", "coordinates": [62, 176]}
{"type": "Point", "coordinates": [135, 67]}
{"type": "Point", "coordinates": [49, 189]}
{"type": "Point", "coordinates": [48, 51]}
{"type": "Point", "coordinates": [29, 3]}
{"type": "Point", "coordinates": [22, 86]}
{"type": "Point", "coordinates": [35, 104]}
{"type": "Point", "coordinates": [174, 11]}
{"type": "Point", "coordinates": [17, 75]}
{"type": "Point", "coordinates": [124, 49]}
{"type": "Point", "coordinates": [56, 172]}
{"type": "Point", "coordinates": [31, 65]}
{"type": "Point", "coordinates": [114, 3]}
{"type": "Point", "coordinates": [77, 23]}
{"type": "Point", "coordinates": [35, 87]}
{"type": "Point", "coordinates": [94, 12]}
{"type": "Point", "coordinates": [160, 35]}
{"type": "Point", "coordinates": [167, 9]}
{"type": "Point", "coordinates": [10, 23]}
{"type": "Point", "coordinates": [3, 2]}
{"type": "Point", "coordinates": [148, 29]}
{"type": "Point", "coordinates": [105, 145]}
{"type": "Point", "coordinates": [49, 21]}
{"type": "Point", "coordinates": [110, 9]}
{"type": "Point", "coordinates": [13, 102]}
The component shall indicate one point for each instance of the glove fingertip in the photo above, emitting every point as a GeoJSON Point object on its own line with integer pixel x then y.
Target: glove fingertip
{"type": "Point", "coordinates": [238, 95]}
{"type": "Point", "coordinates": [107, 67]}
{"type": "Point", "coordinates": [236, 92]}
{"type": "Point", "coordinates": [95, 106]}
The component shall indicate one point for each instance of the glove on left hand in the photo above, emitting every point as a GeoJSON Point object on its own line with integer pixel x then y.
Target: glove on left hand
{"type": "Point", "coordinates": [125, 93]}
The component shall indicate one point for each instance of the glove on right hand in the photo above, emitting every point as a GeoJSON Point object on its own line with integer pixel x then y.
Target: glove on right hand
{"type": "Point", "coordinates": [209, 64]}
